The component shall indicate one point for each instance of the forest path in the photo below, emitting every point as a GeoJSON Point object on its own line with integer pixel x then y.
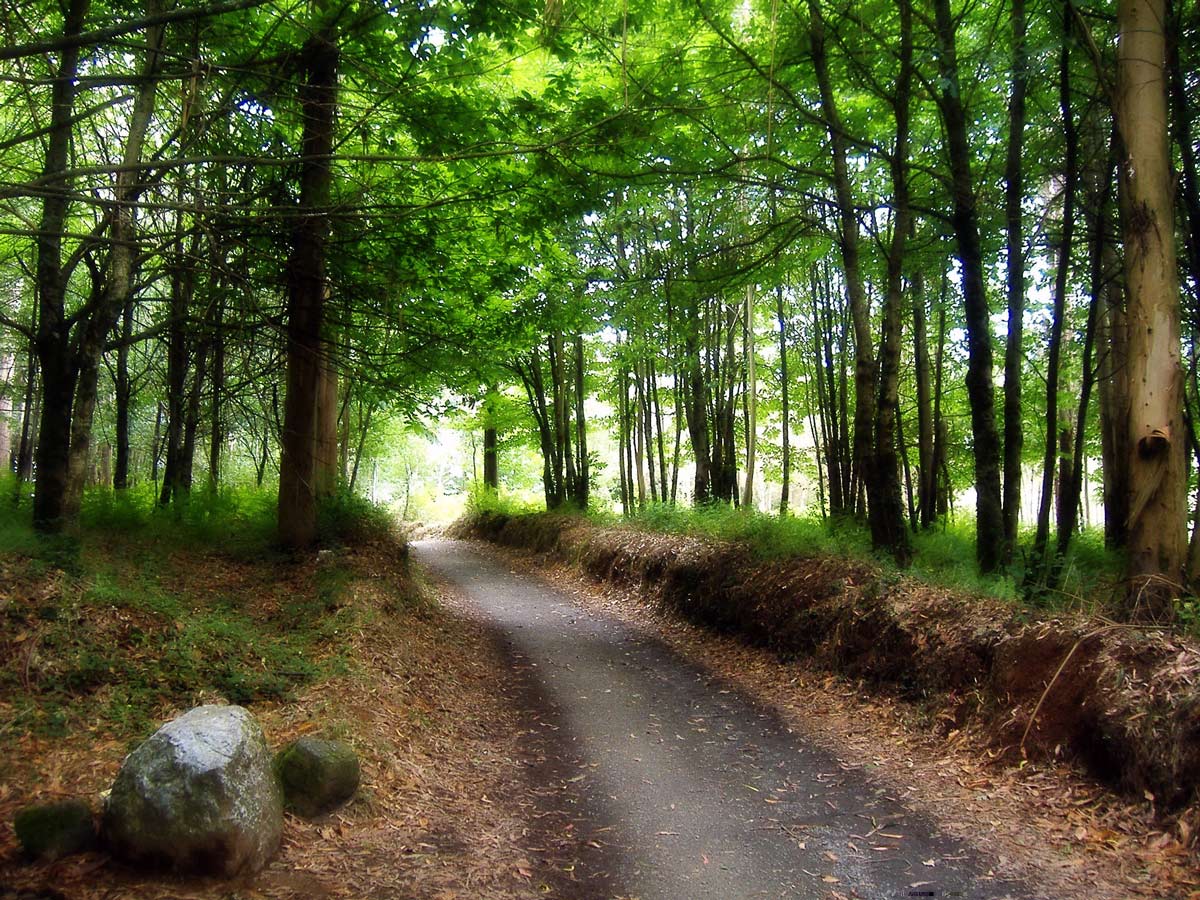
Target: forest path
{"type": "Point", "coordinates": [685, 787]}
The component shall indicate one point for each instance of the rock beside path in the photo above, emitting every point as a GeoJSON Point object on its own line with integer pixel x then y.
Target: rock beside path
{"type": "Point", "coordinates": [199, 795]}
{"type": "Point", "coordinates": [51, 831]}
{"type": "Point", "coordinates": [317, 775]}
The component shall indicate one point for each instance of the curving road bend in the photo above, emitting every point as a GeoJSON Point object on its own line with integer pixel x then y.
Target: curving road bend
{"type": "Point", "coordinates": [699, 791]}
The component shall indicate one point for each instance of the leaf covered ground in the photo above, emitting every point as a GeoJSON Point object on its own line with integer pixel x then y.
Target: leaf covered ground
{"type": "Point", "coordinates": [97, 649]}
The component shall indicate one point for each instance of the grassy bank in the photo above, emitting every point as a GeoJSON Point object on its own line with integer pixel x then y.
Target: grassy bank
{"type": "Point", "coordinates": [142, 610]}
{"type": "Point", "coordinates": [943, 556]}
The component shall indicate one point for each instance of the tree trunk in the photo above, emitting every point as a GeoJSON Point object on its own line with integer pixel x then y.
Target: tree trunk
{"type": "Point", "coordinates": [1014, 196]}
{"type": "Point", "coordinates": [306, 293]}
{"type": "Point", "coordinates": [941, 482]}
{"type": "Point", "coordinates": [926, 473]}
{"type": "Point", "coordinates": [1098, 217]}
{"type": "Point", "coordinates": [8, 366]}
{"type": "Point", "coordinates": [1043, 565]}
{"type": "Point", "coordinates": [784, 402]}
{"type": "Point", "coordinates": [1113, 377]}
{"type": "Point", "coordinates": [325, 464]}
{"type": "Point", "coordinates": [582, 466]}
{"type": "Point", "coordinates": [989, 519]}
{"type": "Point", "coordinates": [696, 412]}
{"type": "Point", "coordinates": [53, 335]}
{"type": "Point", "coordinates": [1157, 508]}
{"type": "Point", "coordinates": [1181, 121]}
{"type": "Point", "coordinates": [751, 400]}
{"type": "Point", "coordinates": [28, 417]}
{"type": "Point", "coordinates": [860, 311]}
{"type": "Point", "coordinates": [885, 505]}
{"type": "Point", "coordinates": [124, 396]}
{"type": "Point", "coordinates": [491, 453]}
{"type": "Point", "coordinates": [191, 422]}
{"type": "Point", "coordinates": [115, 294]}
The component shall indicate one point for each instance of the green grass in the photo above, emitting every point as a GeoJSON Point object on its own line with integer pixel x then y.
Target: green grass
{"type": "Point", "coordinates": [141, 609]}
{"type": "Point", "coordinates": [943, 556]}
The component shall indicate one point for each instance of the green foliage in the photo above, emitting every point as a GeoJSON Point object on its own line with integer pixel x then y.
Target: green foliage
{"type": "Point", "coordinates": [481, 499]}
{"type": "Point", "coordinates": [768, 536]}
{"type": "Point", "coordinates": [346, 518]}
{"type": "Point", "coordinates": [944, 556]}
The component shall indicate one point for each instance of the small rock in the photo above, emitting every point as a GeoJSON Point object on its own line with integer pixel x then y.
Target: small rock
{"type": "Point", "coordinates": [317, 775]}
{"type": "Point", "coordinates": [53, 830]}
{"type": "Point", "coordinates": [198, 795]}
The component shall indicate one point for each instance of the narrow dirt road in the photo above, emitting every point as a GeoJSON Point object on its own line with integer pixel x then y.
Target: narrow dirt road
{"type": "Point", "coordinates": [687, 788]}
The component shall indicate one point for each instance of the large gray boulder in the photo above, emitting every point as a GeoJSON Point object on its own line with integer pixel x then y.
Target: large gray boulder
{"type": "Point", "coordinates": [317, 775]}
{"type": "Point", "coordinates": [199, 795]}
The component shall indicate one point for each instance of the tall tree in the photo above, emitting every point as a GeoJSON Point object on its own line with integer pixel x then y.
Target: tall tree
{"type": "Point", "coordinates": [306, 288]}
{"type": "Point", "coordinates": [989, 519]}
{"type": "Point", "coordinates": [1158, 504]}
{"type": "Point", "coordinates": [1014, 198]}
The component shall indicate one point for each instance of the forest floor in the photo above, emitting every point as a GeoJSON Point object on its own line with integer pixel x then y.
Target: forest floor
{"type": "Point", "coordinates": [448, 808]}
{"type": "Point", "coordinates": [462, 775]}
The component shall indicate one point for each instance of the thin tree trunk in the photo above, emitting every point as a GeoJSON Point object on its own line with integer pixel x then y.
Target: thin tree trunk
{"type": "Point", "coordinates": [124, 396]}
{"type": "Point", "coordinates": [1181, 122]}
{"type": "Point", "coordinates": [216, 411]}
{"type": "Point", "coordinates": [115, 295]}
{"type": "Point", "coordinates": [885, 506]}
{"type": "Point", "coordinates": [785, 407]}
{"type": "Point", "coordinates": [325, 463]}
{"type": "Point", "coordinates": [1062, 271]}
{"type": "Point", "coordinates": [860, 312]}
{"type": "Point", "coordinates": [491, 443]}
{"type": "Point", "coordinates": [751, 399]}
{"type": "Point", "coordinates": [583, 466]}
{"type": "Point", "coordinates": [1014, 196]}
{"type": "Point", "coordinates": [28, 413]}
{"type": "Point", "coordinates": [1078, 470]}
{"type": "Point", "coordinates": [941, 481]}
{"type": "Point", "coordinates": [926, 473]}
{"type": "Point", "coordinates": [989, 519]}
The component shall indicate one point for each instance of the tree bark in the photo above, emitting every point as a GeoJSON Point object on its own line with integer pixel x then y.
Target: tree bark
{"type": "Point", "coordinates": [28, 416]}
{"type": "Point", "coordinates": [989, 519]}
{"type": "Point", "coordinates": [926, 473]}
{"type": "Point", "coordinates": [325, 464]}
{"type": "Point", "coordinates": [860, 311]}
{"type": "Point", "coordinates": [785, 486]}
{"type": "Point", "coordinates": [53, 335]}
{"type": "Point", "coordinates": [124, 396]}
{"type": "Point", "coordinates": [1014, 196]}
{"type": "Point", "coordinates": [1042, 565]}
{"type": "Point", "coordinates": [491, 450]}
{"type": "Point", "coordinates": [582, 466]}
{"type": "Point", "coordinates": [306, 287]}
{"type": "Point", "coordinates": [751, 400]}
{"type": "Point", "coordinates": [1157, 507]}
{"type": "Point", "coordinates": [885, 505]}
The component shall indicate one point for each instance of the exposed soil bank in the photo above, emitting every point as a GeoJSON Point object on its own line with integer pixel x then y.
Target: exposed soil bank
{"type": "Point", "coordinates": [1122, 701]}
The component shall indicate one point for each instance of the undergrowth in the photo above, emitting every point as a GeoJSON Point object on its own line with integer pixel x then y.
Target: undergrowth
{"type": "Point", "coordinates": [142, 610]}
{"type": "Point", "coordinates": [944, 555]}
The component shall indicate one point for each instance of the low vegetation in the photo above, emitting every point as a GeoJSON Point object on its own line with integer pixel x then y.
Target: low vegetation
{"type": "Point", "coordinates": [143, 611]}
{"type": "Point", "coordinates": [1089, 574]}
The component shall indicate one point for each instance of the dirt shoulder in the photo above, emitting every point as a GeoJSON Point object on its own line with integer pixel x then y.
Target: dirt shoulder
{"type": "Point", "coordinates": [448, 805]}
{"type": "Point", "coordinates": [1046, 821]}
